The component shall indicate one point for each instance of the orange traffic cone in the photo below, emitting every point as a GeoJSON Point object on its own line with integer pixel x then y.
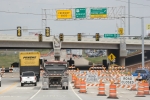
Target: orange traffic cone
{"type": "Point", "coordinates": [73, 78]}
{"type": "Point", "coordinates": [101, 90]}
{"type": "Point", "coordinates": [82, 87]}
{"type": "Point", "coordinates": [146, 88]}
{"type": "Point", "coordinates": [77, 84]}
{"type": "Point", "coordinates": [140, 92]}
{"type": "Point", "coordinates": [112, 91]}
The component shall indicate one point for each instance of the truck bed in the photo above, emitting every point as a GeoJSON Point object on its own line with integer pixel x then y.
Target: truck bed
{"type": "Point", "coordinates": [55, 69]}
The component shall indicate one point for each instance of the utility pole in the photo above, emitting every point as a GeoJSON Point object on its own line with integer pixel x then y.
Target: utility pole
{"type": "Point", "coordinates": [129, 17]}
{"type": "Point", "coordinates": [142, 31]}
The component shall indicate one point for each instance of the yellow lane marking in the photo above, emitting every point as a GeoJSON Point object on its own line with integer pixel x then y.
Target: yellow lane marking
{"type": "Point", "coordinates": [8, 88]}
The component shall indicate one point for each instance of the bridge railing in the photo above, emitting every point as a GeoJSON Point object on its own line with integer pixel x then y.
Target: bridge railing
{"type": "Point", "coordinates": [24, 38]}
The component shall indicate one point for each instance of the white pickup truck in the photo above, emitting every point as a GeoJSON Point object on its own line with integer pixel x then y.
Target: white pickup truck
{"type": "Point", "coordinates": [28, 77]}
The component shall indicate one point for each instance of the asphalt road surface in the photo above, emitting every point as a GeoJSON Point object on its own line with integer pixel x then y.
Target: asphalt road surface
{"type": "Point", "coordinates": [78, 60]}
{"type": "Point", "coordinates": [11, 90]}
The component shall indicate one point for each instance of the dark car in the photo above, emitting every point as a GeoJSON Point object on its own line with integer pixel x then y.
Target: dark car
{"type": "Point", "coordinates": [144, 73]}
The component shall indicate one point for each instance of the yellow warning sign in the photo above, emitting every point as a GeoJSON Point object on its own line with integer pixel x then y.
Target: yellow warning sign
{"type": "Point", "coordinates": [121, 31]}
{"type": "Point", "coordinates": [111, 57]}
{"type": "Point", "coordinates": [64, 14]}
{"type": "Point", "coordinates": [148, 27]}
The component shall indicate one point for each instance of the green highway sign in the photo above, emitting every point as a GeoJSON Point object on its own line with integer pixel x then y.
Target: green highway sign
{"type": "Point", "coordinates": [98, 13]}
{"type": "Point", "coordinates": [80, 12]}
{"type": "Point", "coordinates": [111, 35]}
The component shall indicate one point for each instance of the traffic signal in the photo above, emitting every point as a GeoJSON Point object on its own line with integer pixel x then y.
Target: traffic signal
{"type": "Point", "coordinates": [19, 31]}
{"type": "Point", "coordinates": [40, 38]}
{"type": "Point", "coordinates": [97, 36]}
{"type": "Point", "coordinates": [47, 31]}
{"type": "Point", "coordinates": [79, 36]}
{"type": "Point", "coordinates": [61, 37]}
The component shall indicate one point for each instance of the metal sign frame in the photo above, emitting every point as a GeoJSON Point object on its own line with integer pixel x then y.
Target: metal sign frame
{"type": "Point", "coordinates": [113, 13]}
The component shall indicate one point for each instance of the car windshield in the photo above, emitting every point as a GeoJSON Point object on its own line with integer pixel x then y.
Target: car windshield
{"type": "Point", "coordinates": [28, 74]}
{"type": "Point", "coordinates": [140, 71]}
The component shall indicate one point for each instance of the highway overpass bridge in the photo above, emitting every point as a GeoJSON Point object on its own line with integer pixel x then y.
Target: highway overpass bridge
{"type": "Point", "coordinates": [32, 42]}
{"type": "Point", "coordinates": [116, 46]}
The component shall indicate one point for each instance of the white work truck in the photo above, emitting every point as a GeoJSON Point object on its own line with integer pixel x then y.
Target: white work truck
{"type": "Point", "coordinates": [28, 77]}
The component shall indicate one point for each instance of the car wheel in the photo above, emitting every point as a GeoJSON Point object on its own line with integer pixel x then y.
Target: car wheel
{"type": "Point", "coordinates": [63, 87]}
{"type": "Point", "coordinates": [35, 84]}
{"type": "Point", "coordinates": [66, 87]}
{"type": "Point", "coordinates": [22, 84]}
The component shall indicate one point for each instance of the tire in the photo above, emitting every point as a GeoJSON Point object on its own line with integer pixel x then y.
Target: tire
{"type": "Point", "coordinates": [38, 78]}
{"type": "Point", "coordinates": [63, 87]}
{"type": "Point", "coordinates": [22, 84]}
{"type": "Point", "coordinates": [66, 87]}
{"type": "Point", "coordinates": [0, 83]}
{"type": "Point", "coordinates": [35, 84]}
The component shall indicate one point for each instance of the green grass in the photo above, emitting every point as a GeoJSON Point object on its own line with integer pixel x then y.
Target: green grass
{"type": "Point", "coordinates": [9, 57]}
{"type": "Point", "coordinates": [7, 60]}
{"type": "Point", "coordinates": [95, 60]}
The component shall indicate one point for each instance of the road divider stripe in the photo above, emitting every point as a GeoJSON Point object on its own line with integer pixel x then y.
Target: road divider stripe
{"type": "Point", "coordinates": [8, 88]}
{"type": "Point", "coordinates": [36, 93]}
{"type": "Point", "coordinates": [75, 92]}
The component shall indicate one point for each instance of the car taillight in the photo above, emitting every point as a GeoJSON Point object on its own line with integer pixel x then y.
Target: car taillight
{"type": "Point", "coordinates": [35, 77]}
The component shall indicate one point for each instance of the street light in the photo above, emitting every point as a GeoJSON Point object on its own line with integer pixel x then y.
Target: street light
{"type": "Point", "coordinates": [128, 17]}
{"type": "Point", "coordinates": [142, 30]}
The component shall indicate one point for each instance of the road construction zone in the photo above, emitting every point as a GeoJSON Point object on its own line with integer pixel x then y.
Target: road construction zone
{"type": "Point", "coordinates": [111, 83]}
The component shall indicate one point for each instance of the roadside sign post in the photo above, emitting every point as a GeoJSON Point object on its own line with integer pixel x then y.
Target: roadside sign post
{"type": "Point", "coordinates": [80, 12]}
{"type": "Point", "coordinates": [111, 35]}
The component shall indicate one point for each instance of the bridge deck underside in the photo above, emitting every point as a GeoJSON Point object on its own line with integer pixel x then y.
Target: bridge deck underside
{"type": "Point", "coordinates": [65, 45]}
{"type": "Point", "coordinates": [25, 45]}
{"type": "Point", "coordinates": [89, 46]}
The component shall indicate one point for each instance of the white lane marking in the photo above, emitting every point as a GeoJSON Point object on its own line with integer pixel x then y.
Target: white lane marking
{"type": "Point", "coordinates": [36, 93]}
{"type": "Point", "coordinates": [75, 92]}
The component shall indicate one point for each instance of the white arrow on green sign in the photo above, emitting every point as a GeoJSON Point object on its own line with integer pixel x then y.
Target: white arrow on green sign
{"type": "Point", "coordinates": [80, 12]}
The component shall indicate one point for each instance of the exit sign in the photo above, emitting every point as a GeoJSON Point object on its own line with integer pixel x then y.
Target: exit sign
{"type": "Point", "coordinates": [111, 35]}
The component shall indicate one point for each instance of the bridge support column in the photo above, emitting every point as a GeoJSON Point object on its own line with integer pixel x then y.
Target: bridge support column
{"type": "Point", "coordinates": [123, 52]}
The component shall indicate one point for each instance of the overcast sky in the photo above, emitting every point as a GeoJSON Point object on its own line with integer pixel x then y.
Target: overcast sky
{"type": "Point", "coordinates": [139, 8]}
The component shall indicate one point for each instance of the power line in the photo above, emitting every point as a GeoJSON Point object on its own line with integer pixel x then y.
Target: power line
{"type": "Point", "coordinates": [133, 3]}
{"type": "Point", "coordinates": [55, 15]}
{"type": "Point", "coordinates": [40, 3]}
{"type": "Point", "coordinates": [20, 13]}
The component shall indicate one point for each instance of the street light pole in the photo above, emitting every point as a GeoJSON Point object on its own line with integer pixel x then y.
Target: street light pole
{"type": "Point", "coordinates": [142, 34]}
{"type": "Point", "coordinates": [128, 17]}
